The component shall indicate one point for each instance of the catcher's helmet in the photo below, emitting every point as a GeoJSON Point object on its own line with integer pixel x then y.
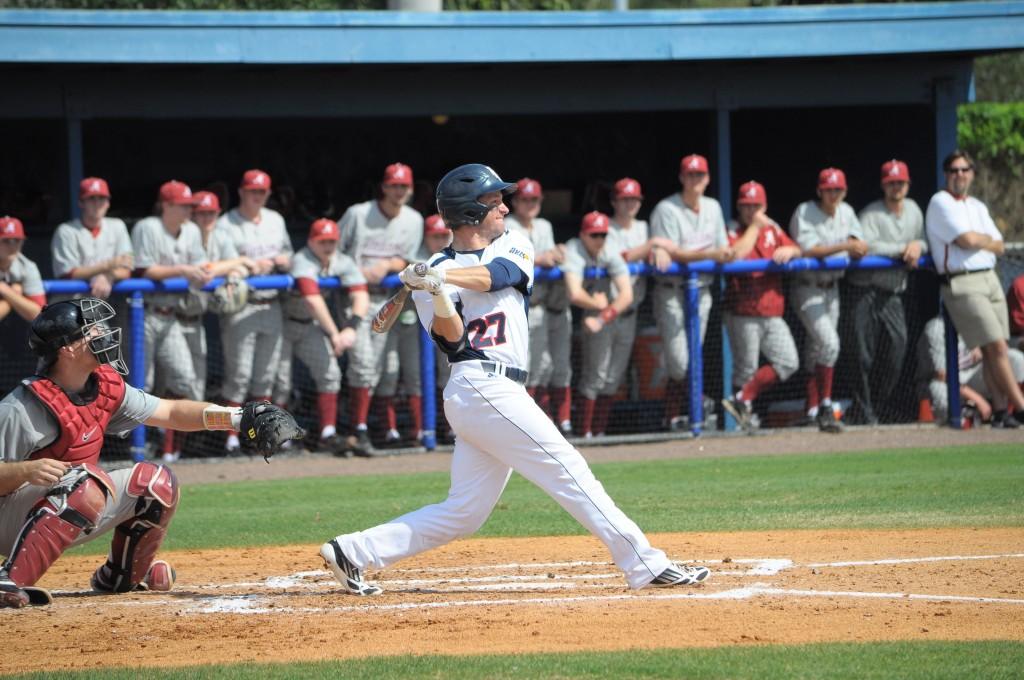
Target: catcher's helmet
{"type": "Point", "coordinates": [62, 323]}
{"type": "Point", "coordinates": [459, 192]}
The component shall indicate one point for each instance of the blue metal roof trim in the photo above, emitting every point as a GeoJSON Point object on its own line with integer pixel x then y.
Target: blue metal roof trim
{"type": "Point", "coordinates": [56, 36]}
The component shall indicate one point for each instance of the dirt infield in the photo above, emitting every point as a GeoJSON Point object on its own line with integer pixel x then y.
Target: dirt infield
{"type": "Point", "coordinates": [536, 595]}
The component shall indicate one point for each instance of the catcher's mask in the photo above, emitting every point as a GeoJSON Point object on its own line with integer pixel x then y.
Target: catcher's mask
{"type": "Point", "coordinates": [63, 323]}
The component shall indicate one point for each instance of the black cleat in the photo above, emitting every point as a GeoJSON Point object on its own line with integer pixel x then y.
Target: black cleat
{"type": "Point", "coordinates": [827, 420]}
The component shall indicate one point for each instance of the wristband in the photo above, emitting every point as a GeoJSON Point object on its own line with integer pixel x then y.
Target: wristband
{"type": "Point", "coordinates": [352, 322]}
{"type": "Point", "coordinates": [222, 417]}
{"type": "Point", "coordinates": [608, 314]}
{"type": "Point", "coordinates": [443, 306]}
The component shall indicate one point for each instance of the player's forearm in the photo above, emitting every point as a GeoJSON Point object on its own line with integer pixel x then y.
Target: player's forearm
{"type": "Point", "coordinates": [825, 251]}
{"type": "Point", "coordinates": [227, 267]}
{"type": "Point", "coordinates": [12, 476]}
{"type": "Point", "coordinates": [318, 308]}
{"type": "Point", "coordinates": [360, 303]}
{"type": "Point", "coordinates": [625, 297]}
{"type": "Point", "coordinates": [159, 272]}
{"type": "Point", "coordinates": [120, 273]}
{"type": "Point", "coordinates": [87, 271]}
{"type": "Point", "coordinates": [179, 414]}
{"type": "Point", "coordinates": [974, 240]}
{"type": "Point", "coordinates": [5, 309]}
{"type": "Point", "coordinates": [996, 246]}
{"type": "Point", "coordinates": [450, 328]}
{"type": "Point", "coordinates": [476, 278]}
{"type": "Point", "coordinates": [22, 306]}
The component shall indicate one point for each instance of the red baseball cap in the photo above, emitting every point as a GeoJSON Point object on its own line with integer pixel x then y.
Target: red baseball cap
{"type": "Point", "coordinates": [895, 171]}
{"type": "Point", "coordinates": [752, 193]}
{"type": "Point", "coordinates": [831, 178]}
{"type": "Point", "coordinates": [398, 173]}
{"type": "Point", "coordinates": [11, 227]}
{"type": "Point", "coordinates": [435, 225]}
{"type": "Point", "coordinates": [255, 179]}
{"type": "Point", "coordinates": [627, 187]}
{"type": "Point", "coordinates": [594, 223]}
{"type": "Point", "coordinates": [529, 188]}
{"type": "Point", "coordinates": [206, 201]}
{"type": "Point", "coordinates": [176, 193]}
{"type": "Point", "coordinates": [693, 163]}
{"type": "Point", "coordinates": [324, 230]}
{"type": "Point", "coordinates": [93, 186]}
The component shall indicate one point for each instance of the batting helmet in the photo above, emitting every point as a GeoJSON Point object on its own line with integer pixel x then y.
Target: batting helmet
{"type": "Point", "coordinates": [459, 192]}
{"type": "Point", "coordinates": [62, 323]}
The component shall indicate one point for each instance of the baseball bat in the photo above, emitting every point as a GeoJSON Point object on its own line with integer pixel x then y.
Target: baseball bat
{"type": "Point", "coordinates": [389, 312]}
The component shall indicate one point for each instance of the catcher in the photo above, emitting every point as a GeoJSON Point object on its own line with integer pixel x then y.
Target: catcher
{"type": "Point", "coordinates": [53, 493]}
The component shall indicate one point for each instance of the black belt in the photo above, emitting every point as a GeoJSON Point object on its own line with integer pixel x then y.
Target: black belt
{"type": "Point", "coordinates": [821, 284]}
{"type": "Point", "coordinates": [298, 320]}
{"type": "Point", "coordinates": [514, 374]}
{"type": "Point", "coordinates": [946, 278]}
{"type": "Point", "coordinates": [185, 318]}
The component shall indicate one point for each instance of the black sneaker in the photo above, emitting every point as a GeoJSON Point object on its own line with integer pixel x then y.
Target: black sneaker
{"type": "Point", "coordinates": [680, 575]}
{"type": "Point", "coordinates": [827, 420]}
{"type": "Point", "coordinates": [348, 574]}
{"type": "Point", "coordinates": [335, 444]}
{"type": "Point", "coordinates": [361, 444]}
{"type": "Point", "coordinates": [1003, 420]}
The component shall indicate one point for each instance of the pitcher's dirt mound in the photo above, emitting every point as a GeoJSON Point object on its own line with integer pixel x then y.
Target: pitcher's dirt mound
{"type": "Point", "coordinates": [535, 595]}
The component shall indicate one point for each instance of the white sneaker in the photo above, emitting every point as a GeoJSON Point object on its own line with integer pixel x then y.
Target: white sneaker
{"type": "Point", "coordinates": [566, 427]}
{"type": "Point", "coordinates": [348, 574]}
{"type": "Point", "coordinates": [171, 457]}
{"type": "Point", "coordinates": [680, 575]}
{"type": "Point", "coordinates": [393, 437]}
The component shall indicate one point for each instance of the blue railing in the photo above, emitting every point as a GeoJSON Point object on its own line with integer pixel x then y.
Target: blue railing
{"type": "Point", "coordinates": [136, 289]}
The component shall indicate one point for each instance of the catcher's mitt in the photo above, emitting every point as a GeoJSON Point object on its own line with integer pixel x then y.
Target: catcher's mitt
{"type": "Point", "coordinates": [230, 296]}
{"type": "Point", "coordinates": [266, 428]}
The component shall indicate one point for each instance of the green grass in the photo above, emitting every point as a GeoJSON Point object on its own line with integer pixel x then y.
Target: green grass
{"type": "Point", "coordinates": [907, 660]}
{"type": "Point", "coordinates": [952, 487]}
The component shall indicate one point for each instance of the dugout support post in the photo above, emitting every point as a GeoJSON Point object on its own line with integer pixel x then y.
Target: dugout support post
{"type": "Point", "coordinates": [696, 358]}
{"type": "Point", "coordinates": [137, 374]}
{"type": "Point", "coordinates": [952, 370]}
{"type": "Point", "coordinates": [428, 389]}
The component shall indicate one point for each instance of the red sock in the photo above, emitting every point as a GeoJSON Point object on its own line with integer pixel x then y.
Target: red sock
{"type": "Point", "coordinates": [824, 375]}
{"type": "Point", "coordinates": [544, 400]}
{"type": "Point", "coordinates": [812, 392]}
{"type": "Point", "coordinates": [764, 378]}
{"type": "Point", "coordinates": [327, 408]}
{"type": "Point", "coordinates": [673, 399]}
{"type": "Point", "coordinates": [561, 403]}
{"type": "Point", "coordinates": [168, 441]}
{"type": "Point", "coordinates": [601, 413]}
{"type": "Point", "coordinates": [416, 412]}
{"type": "Point", "coordinates": [588, 415]}
{"type": "Point", "coordinates": [389, 412]}
{"type": "Point", "coordinates": [359, 406]}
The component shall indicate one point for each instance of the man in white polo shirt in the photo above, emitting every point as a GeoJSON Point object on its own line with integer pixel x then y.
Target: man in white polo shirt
{"type": "Point", "coordinates": [964, 244]}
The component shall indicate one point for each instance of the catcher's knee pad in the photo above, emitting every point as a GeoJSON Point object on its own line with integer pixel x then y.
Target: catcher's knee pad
{"type": "Point", "coordinates": [72, 507]}
{"type": "Point", "coordinates": [137, 540]}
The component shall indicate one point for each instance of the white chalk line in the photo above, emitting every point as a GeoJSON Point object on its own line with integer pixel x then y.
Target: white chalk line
{"type": "Point", "coordinates": [910, 560]}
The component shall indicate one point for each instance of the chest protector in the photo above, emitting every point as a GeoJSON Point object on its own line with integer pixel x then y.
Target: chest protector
{"type": "Point", "coordinates": [81, 426]}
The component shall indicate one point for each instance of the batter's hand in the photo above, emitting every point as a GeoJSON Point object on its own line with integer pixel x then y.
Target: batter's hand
{"type": "Point", "coordinates": [45, 471]}
{"type": "Point", "coordinates": [421, 277]}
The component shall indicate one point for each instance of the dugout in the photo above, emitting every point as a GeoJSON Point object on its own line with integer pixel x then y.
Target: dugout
{"type": "Point", "coordinates": [324, 100]}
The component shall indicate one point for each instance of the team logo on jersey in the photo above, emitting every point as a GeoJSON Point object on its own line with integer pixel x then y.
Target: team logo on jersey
{"type": "Point", "coordinates": [516, 251]}
{"type": "Point", "coordinates": [769, 238]}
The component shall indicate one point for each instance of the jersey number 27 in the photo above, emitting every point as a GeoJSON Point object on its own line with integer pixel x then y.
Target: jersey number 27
{"type": "Point", "coordinates": [480, 331]}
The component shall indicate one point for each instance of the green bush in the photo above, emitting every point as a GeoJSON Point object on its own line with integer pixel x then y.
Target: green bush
{"type": "Point", "coordinates": [993, 133]}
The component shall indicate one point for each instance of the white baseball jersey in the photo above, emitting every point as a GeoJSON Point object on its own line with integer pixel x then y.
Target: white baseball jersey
{"type": "Point", "coordinates": [703, 229]}
{"type": "Point", "coordinates": [577, 259]}
{"type": "Point", "coordinates": [810, 227]}
{"type": "Point", "coordinates": [25, 272]}
{"type": "Point", "coordinates": [542, 236]}
{"type": "Point", "coordinates": [154, 245]}
{"type": "Point", "coordinates": [888, 235]}
{"type": "Point", "coordinates": [306, 270]}
{"type": "Point", "coordinates": [496, 322]}
{"type": "Point", "coordinates": [75, 245]}
{"type": "Point", "coordinates": [262, 240]}
{"type": "Point", "coordinates": [947, 218]}
{"type": "Point", "coordinates": [368, 235]}
{"type": "Point", "coordinates": [627, 239]}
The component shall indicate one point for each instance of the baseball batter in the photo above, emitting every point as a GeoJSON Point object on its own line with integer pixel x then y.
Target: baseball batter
{"type": "Point", "coordinates": [165, 247]}
{"type": "Point", "coordinates": [94, 247]}
{"type": "Point", "coordinates": [694, 227]}
{"type": "Point", "coordinates": [252, 336]}
{"type": "Point", "coordinates": [310, 333]}
{"type": "Point", "coordinates": [755, 304]}
{"type": "Point", "coordinates": [21, 286]}
{"type": "Point", "coordinates": [53, 493]}
{"type": "Point", "coordinates": [822, 228]}
{"type": "Point", "coordinates": [550, 315]}
{"type": "Point", "coordinates": [382, 236]}
{"type": "Point", "coordinates": [603, 302]}
{"type": "Point", "coordinates": [473, 301]}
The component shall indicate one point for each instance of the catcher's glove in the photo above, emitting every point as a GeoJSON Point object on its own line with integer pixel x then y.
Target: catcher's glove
{"type": "Point", "coordinates": [230, 296]}
{"type": "Point", "coordinates": [266, 428]}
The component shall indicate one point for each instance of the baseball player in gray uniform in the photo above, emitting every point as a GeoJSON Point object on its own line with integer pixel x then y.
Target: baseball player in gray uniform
{"type": "Point", "coordinates": [550, 315]}
{"type": "Point", "coordinates": [252, 336]}
{"type": "Point", "coordinates": [165, 247]}
{"type": "Point", "coordinates": [53, 493]}
{"type": "Point", "coordinates": [694, 226]}
{"type": "Point", "coordinates": [755, 304]}
{"type": "Point", "coordinates": [472, 300]}
{"type": "Point", "coordinates": [382, 236]}
{"type": "Point", "coordinates": [21, 286]}
{"type": "Point", "coordinates": [222, 260]}
{"type": "Point", "coordinates": [310, 333]}
{"type": "Point", "coordinates": [603, 301]}
{"type": "Point", "coordinates": [822, 228]}
{"type": "Point", "coordinates": [893, 226]}
{"type": "Point", "coordinates": [94, 247]}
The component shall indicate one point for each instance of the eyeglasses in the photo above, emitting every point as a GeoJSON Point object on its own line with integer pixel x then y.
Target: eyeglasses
{"type": "Point", "coordinates": [959, 171]}
{"type": "Point", "coordinates": [597, 235]}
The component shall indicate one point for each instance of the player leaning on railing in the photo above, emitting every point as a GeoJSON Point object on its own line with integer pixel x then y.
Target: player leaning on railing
{"type": "Point", "coordinates": [53, 493]}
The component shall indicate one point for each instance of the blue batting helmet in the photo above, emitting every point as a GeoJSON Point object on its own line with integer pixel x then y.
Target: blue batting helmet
{"type": "Point", "coordinates": [459, 192]}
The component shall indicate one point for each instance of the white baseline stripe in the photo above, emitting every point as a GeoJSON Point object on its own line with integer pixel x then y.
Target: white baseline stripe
{"type": "Point", "coordinates": [911, 560]}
